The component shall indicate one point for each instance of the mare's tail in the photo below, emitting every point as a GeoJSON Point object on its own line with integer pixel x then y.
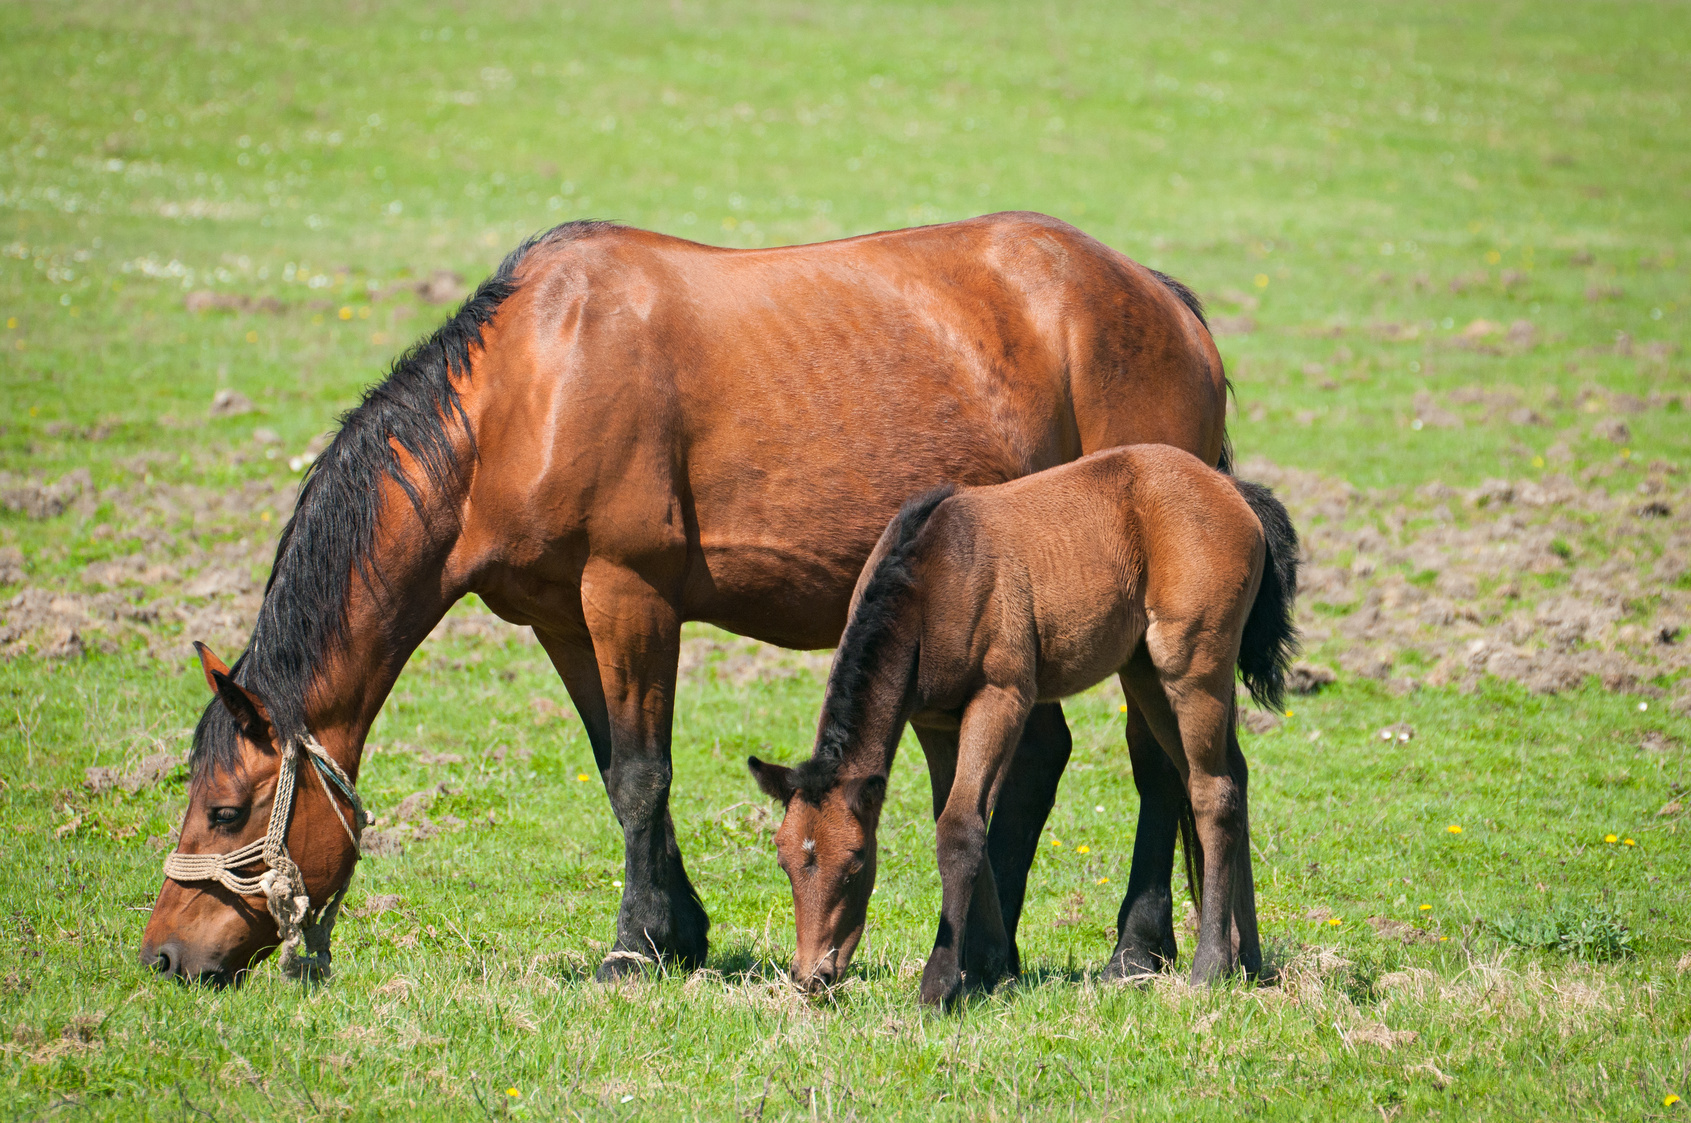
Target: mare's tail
{"type": "Point", "coordinates": [1271, 636]}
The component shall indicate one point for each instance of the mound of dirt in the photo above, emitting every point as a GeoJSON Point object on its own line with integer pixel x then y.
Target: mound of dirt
{"type": "Point", "coordinates": [1545, 582]}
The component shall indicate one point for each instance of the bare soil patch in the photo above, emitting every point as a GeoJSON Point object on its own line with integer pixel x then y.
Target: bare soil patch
{"type": "Point", "coordinates": [1544, 581]}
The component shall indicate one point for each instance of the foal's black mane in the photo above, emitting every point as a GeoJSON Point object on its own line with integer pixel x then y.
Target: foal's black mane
{"type": "Point", "coordinates": [857, 659]}
{"type": "Point", "coordinates": [333, 528]}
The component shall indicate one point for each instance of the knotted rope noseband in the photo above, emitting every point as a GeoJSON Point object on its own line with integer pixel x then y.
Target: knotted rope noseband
{"type": "Point", "coordinates": [282, 885]}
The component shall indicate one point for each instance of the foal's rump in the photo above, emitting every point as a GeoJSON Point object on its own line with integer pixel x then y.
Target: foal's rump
{"type": "Point", "coordinates": [1057, 578]}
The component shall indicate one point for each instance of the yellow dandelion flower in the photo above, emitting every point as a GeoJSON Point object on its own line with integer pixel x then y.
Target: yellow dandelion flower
{"type": "Point", "coordinates": [1669, 1100]}
{"type": "Point", "coordinates": [1123, 708]}
{"type": "Point", "coordinates": [346, 313]}
{"type": "Point", "coordinates": [1088, 849]}
{"type": "Point", "coordinates": [1444, 939]}
{"type": "Point", "coordinates": [1057, 842]}
{"type": "Point", "coordinates": [1611, 838]}
{"type": "Point", "coordinates": [512, 1092]}
{"type": "Point", "coordinates": [582, 776]}
{"type": "Point", "coordinates": [1288, 713]}
{"type": "Point", "coordinates": [1260, 280]}
{"type": "Point", "coordinates": [1103, 881]}
{"type": "Point", "coordinates": [1454, 828]}
{"type": "Point", "coordinates": [1628, 842]}
{"type": "Point", "coordinates": [1334, 922]}
{"type": "Point", "coordinates": [1426, 908]}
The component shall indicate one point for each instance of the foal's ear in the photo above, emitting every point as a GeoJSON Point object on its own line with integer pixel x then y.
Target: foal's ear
{"type": "Point", "coordinates": [870, 794]}
{"type": "Point", "coordinates": [247, 708]}
{"type": "Point", "coordinates": [776, 780]}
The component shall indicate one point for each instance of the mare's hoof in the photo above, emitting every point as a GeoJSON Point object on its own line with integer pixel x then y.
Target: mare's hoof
{"type": "Point", "coordinates": [620, 965]}
{"type": "Point", "coordinates": [987, 972]}
{"type": "Point", "coordinates": [1212, 971]}
{"type": "Point", "coordinates": [942, 989]}
{"type": "Point", "coordinates": [1132, 966]}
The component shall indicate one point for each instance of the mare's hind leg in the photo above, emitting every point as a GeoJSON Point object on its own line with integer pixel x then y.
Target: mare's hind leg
{"type": "Point", "coordinates": [992, 724]}
{"type": "Point", "coordinates": [1145, 941]}
{"type": "Point", "coordinates": [987, 947]}
{"type": "Point", "coordinates": [622, 681]}
{"type": "Point", "coordinates": [1018, 820]}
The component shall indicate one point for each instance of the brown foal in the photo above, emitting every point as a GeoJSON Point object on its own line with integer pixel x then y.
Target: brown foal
{"type": "Point", "coordinates": [979, 604]}
{"type": "Point", "coordinates": [621, 431]}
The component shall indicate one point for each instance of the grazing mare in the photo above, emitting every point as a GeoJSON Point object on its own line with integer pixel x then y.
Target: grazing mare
{"type": "Point", "coordinates": [978, 605]}
{"type": "Point", "coordinates": [621, 431]}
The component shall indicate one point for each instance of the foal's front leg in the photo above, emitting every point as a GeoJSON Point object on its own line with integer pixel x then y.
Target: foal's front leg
{"type": "Point", "coordinates": [992, 724]}
{"type": "Point", "coordinates": [988, 949]}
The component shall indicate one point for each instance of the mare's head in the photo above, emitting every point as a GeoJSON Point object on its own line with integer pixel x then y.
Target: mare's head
{"type": "Point", "coordinates": [201, 931]}
{"type": "Point", "coordinates": [826, 843]}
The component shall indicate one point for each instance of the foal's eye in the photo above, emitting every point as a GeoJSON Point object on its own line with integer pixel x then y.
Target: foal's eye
{"type": "Point", "coordinates": [223, 816]}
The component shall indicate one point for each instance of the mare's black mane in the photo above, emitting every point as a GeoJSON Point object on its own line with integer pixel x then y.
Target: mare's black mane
{"type": "Point", "coordinates": [867, 634]}
{"type": "Point", "coordinates": [332, 532]}
{"type": "Point", "coordinates": [1186, 295]}
{"type": "Point", "coordinates": [1196, 305]}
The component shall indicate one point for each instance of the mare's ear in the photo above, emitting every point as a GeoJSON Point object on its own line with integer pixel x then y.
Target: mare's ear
{"type": "Point", "coordinates": [247, 708]}
{"type": "Point", "coordinates": [870, 794]}
{"type": "Point", "coordinates": [210, 664]}
{"type": "Point", "coordinates": [776, 780]}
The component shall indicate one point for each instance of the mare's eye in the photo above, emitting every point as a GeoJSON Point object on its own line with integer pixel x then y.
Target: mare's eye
{"type": "Point", "coordinates": [223, 816]}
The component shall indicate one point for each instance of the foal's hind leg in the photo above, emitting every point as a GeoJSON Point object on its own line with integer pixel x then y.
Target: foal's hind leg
{"type": "Point", "coordinates": [1192, 707]}
{"type": "Point", "coordinates": [1145, 941]}
{"type": "Point", "coordinates": [1246, 941]}
{"type": "Point", "coordinates": [987, 947]}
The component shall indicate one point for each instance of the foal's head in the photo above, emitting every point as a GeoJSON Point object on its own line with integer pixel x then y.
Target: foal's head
{"type": "Point", "coordinates": [826, 843]}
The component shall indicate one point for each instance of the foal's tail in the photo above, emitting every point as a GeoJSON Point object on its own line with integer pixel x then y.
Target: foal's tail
{"type": "Point", "coordinates": [1271, 637]}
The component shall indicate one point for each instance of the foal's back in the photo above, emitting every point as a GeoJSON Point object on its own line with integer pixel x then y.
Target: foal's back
{"type": "Point", "coordinates": [1049, 583]}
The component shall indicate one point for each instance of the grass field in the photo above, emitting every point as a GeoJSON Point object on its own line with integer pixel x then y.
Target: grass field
{"type": "Point", "coordinates": [1445, 248]}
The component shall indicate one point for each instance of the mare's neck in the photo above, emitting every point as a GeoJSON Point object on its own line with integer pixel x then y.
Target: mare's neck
{"type": "Point", "coordinates": [387, 617]}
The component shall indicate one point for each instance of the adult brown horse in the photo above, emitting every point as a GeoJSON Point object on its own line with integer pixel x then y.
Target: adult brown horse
{"type": "Point", "coordinates": [621, 431]}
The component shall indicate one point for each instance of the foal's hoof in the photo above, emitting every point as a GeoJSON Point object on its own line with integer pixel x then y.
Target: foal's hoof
{"type": "Point", "coordinates": [620, 965]}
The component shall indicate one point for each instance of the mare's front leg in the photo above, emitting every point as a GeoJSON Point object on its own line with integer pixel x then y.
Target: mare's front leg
{"type": "Point", "coordinates": [623, 685]}
{"type": "Point", "coordinates": [988, 951]}
{"type": "Point", "coordinates": [992, 723]}
{"type": "Point", "coordinates": [1018, 820]}
{"type": "Point", "coordinates": [1145, 941]}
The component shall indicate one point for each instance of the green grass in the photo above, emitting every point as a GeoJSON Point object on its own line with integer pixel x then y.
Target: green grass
{"type": "Point", "coordinates": [1327, 171]}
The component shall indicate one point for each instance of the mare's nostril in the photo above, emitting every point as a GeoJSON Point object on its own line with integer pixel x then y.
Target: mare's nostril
{"type": "Point", "coordinates": [167, 960]}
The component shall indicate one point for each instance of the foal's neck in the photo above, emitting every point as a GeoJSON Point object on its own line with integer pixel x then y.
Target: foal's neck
{"type": "Point", "coordinates": [868, 701]}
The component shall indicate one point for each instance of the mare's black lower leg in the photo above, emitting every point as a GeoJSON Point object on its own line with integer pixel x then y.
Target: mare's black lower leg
{"type": "Point", "coordinates": [1145, 926]}
{"type": "Point", "coordinates": [661, 917]}
{"type": "Point", "coordinates": [1024, 803]}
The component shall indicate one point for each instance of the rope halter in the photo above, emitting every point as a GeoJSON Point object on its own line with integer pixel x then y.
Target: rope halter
{"type": "Point", "coordinates": [282, 885]}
